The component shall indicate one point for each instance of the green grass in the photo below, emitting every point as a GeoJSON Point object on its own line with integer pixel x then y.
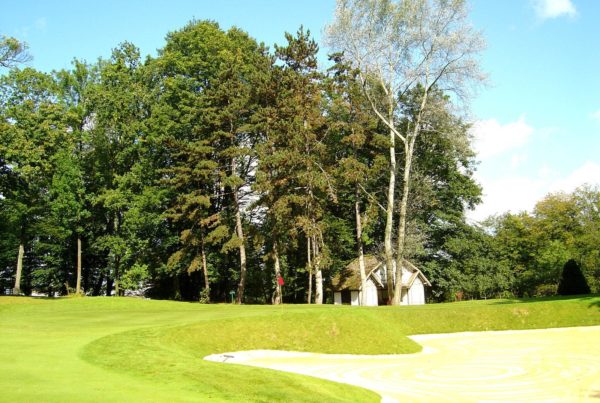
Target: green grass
{"type": "Point", "coordinates": [101, 349]}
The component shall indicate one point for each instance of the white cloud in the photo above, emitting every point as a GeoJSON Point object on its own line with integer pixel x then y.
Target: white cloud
{"type": "Point", "coordinates": [545, 171]}
{"type": "Point", "coordinates": [515, 172]}
{"type": "Point", "coordinates": [546, 9]}
{"type": "Point", "coordinates": [510, 193]}
{"type": "Point", "coordinates": [588, 173]}
{"type": "Point", "coordinates": [595, 115]}
{"type": "Point", "coordinates": [492, 138]}
{"type": "Point", "coordinates": [517, 193]}
{"type": "Point", "coordinates": [517, 160]}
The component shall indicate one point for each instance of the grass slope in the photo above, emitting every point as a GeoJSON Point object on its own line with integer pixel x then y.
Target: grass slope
{"type": "Point", "coordinates": [91, 349]}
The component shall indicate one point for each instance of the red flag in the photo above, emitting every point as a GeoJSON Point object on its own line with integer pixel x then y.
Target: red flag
{"type": "Point", "coordinates": [280, 280]}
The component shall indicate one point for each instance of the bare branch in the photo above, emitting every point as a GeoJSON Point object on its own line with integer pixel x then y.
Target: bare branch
{"type": "Point", "coordinates": [371, 197]}
{"type": "Point", "coordinates": [13, 52]}
{"type": "Point", "coordinates": [378, 113]}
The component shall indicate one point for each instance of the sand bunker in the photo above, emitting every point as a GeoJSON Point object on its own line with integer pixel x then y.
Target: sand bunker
{"type": "Point", "coordinates": [554, 365]}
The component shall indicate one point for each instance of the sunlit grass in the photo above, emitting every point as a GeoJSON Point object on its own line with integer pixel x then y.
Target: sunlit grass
{"type": "Point", "coordinates": [103, 349]}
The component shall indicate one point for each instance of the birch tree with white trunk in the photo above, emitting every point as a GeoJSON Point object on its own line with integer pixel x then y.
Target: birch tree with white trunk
{"type": "Point", "coordinates": [400, 46]}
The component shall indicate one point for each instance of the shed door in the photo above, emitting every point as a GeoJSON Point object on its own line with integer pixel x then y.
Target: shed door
{"type": "Point", "coordinates": [346, 299]}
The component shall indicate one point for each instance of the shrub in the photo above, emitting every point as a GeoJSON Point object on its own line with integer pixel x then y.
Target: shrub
{"type": "Point", "coordinates": [204, 296]}
{"type": "Point", "coordinates": [506, 294]}
{"type": "Point", "coordinates": [545, 290]}
{"type": "Point", "coordinates": [572, 281]}
{"type": "Point", "coordinates": [135, 278]}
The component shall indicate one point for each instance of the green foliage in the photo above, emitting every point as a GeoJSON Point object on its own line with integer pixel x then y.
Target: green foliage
{"type": "Point", "coordinates": [475, 266]}
{"type": "Point", "coordinates": [135, 277]}
{"type": "Point", "coordinates": [537, 245]}
{"type": "Point", "coordinates": [545, 290]}
{"type": "Point", "coordinates": [204, 296]}
{"type": "Point", "coordinates": [572, 281]}
{"type": "Point", "coordinates": [151, 163]}
{"type": "Point", "coordinates": [456, 256]}
{"type": "Point", "coordinates": [208, 87]}
{"type": "Point", "coordinates": [34, 132]}
{"type": "Point", "coordinates": [294, 175]}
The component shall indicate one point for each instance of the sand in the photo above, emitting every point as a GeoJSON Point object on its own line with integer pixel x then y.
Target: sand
{"type": "Point", "coordinates": [553, 365]}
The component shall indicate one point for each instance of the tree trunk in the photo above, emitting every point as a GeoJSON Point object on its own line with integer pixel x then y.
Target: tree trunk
{"type": "Point", "coordinates": [117, 264]}
{"type": "Point", "coordinates": [389, 222]}
{"type": "Point", "coordinates": [309, 262]}
{"type": "Point", "coordinates": [397, 300]}
{"type": "Point", "coordinates": [277, 298]}
{"type": "Point", "coordinates": [78, 284]}
{"type": "Point", "coordinates": [409, 147]}
{"type": "Point", "coordinates": [240, 233]}
{"type": "Point", "coordinates": [177, 287]}
{"type": "Point", "coordinates": [17, 288]}
{"type": "Point", "coordinates": [318, 274]}
{"type": "Point", "coordinates": [98, 285]}
{"type": "Point", "coordinates": [204, 268]}
{"type": "Point", "coordinates": [361, 257]}
{"type": "Point", "coordinates": [109, 285]}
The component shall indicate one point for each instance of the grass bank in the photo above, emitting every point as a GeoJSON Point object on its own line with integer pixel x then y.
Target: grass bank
{"type": "Point", "coordinates": [91, 349]}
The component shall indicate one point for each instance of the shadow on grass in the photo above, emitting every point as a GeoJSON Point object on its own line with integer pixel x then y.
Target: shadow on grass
{"type": "Point", "coordinates": [584, 297]}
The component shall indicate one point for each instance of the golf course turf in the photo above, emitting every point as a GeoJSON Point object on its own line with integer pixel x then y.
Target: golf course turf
{"type": "Point", "coordinates": [101, 349]}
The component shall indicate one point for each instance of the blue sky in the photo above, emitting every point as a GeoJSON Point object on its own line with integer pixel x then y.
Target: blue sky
{"type": "Point", "coordinates": [537, 123]}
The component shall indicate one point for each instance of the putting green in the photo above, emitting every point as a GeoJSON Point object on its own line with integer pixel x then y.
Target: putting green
{"type": "Point", "coordinates": [531, 365]}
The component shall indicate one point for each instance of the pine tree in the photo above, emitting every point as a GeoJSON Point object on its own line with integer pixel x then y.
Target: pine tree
{"type": "Point", "coordinates": [210, 95]}
{"type": "Point", "coordinates": [295, 157]}
{"type": "Point", "coordinates": [357, 145]}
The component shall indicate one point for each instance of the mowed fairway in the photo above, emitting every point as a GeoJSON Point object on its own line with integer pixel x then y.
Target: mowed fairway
{"type": "Point", "coordinates": [121, 349]}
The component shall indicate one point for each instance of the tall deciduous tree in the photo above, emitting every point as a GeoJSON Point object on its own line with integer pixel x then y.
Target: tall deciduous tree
{"type": "Point", "coordinates": [12, 52]}
{"type": "Point", "coordinates": [117, 136]}
{"type": "Point", "coordinates": [67, 208]}
{"type": "Point", "coordinates": [399, 46]}
{"type": "Point", "coordinates": [562, 226]}
{"type": "Point", "coordinates": [71, 198]}
{"type": "Point", "coordinates": [443, 190]}
{"type": "Point", "coordinates": [34, 131]}
{"type": "Point", "coordinates": [587, 199]}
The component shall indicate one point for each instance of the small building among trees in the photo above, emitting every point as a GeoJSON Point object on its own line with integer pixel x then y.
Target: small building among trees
{"type": "Point", "coordinates": [346, 285]}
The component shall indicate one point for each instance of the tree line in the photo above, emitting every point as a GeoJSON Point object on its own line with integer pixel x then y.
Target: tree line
{"type": "Point", "coordinates": [220, 169]}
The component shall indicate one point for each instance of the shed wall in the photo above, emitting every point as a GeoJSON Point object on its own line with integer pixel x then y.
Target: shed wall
{"type": "Point", "coordinates": [354, 298]}
{"type": "Point", "coordinates": [371, 293]}
{"type": "Point", "coordinates": [416, 293]}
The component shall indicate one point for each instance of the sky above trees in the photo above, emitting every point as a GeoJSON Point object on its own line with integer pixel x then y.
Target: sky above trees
{"type": "Point", "coordinates": [537, 122]}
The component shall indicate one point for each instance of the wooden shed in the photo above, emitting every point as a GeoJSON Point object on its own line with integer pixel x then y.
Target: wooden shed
{"type": "Point", "coordinates": [346, 286]}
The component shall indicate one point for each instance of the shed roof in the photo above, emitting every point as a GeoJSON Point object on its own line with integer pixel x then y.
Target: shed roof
{"type": "Point", "coordinates": [349, 277]}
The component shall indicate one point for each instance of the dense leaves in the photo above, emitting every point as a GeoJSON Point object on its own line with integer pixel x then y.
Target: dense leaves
{"type": "Point", "coordinates": [572, 281]}
{"type": "Point", "coordinates": [220, 170]}
{"type": "Point", "coordinates": [536, 246]}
